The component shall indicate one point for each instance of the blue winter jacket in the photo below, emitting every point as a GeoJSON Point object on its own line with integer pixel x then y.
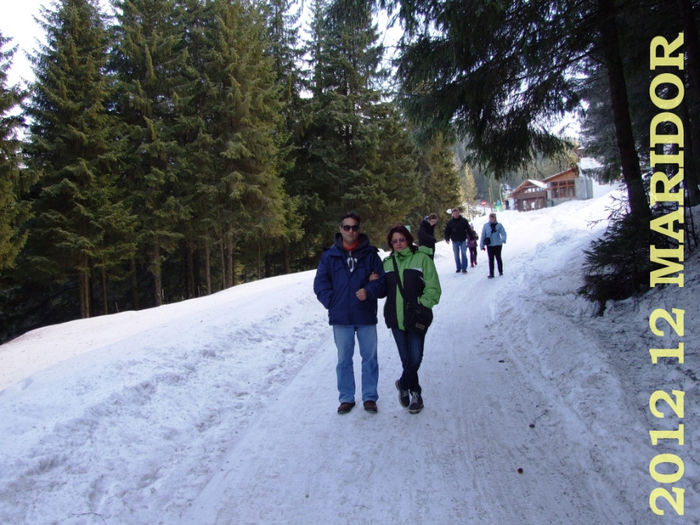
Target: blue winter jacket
{"type": "Point", "coordinates": [335, 283]}
{"type": "Point", "coordinates": [497, 237]}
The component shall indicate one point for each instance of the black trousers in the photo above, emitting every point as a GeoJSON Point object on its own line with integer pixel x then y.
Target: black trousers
{"type": "Point", "coordinates": [472, 255]}
{"type": "Point", "coordinates": [495, 252]}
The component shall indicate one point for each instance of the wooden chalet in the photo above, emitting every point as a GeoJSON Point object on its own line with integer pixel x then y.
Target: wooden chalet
{"type": "Point", "coordinates": [530, 195]}
{"type": "Point", "coordinates": [563, 186]}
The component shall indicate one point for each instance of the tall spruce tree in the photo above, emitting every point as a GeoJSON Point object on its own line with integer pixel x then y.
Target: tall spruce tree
{"type": "Point", "coordinates": [500, 71]}
{"type": "Point", "coordinates": [149, 58]}
{"type": "Point", "coordinates": [642, 22]}
{"type": "Point", "coordinates": [245, 112]}
{"type": "Point", "coordinates": [285, 51]}
{"type": "Point", "coordinates": [12, 211]}
{"type": "Point", "coordinates": [78, 220]}
{"type": "Point", "coordinates": [441, 183]}
{"type": "Point", "coordinates": [357, 153]}
{"type": "Point", "coordinates": [195, 163]}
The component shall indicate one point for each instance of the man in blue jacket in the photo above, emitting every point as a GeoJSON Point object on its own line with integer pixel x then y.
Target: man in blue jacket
{"type": "Point", "coordinates": [349, 279]}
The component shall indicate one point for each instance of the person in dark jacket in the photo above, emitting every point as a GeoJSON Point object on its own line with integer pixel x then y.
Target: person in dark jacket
{"type": "Point", "coordinates": [426, 233]}
{"type": "Point", "coordinates": [349, 279]}
{"type": "Point", "coordinates": [421, 285]}
{"type": "Point", "coordinates": [493, 237]}
{"type": "Point", "coordinates": [473, 245]}
{"type": "Point", "coordinates": [458, 231]}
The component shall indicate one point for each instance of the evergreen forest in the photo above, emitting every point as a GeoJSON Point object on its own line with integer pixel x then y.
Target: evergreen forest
{"type": "Point", "coordinates": [169, 149]}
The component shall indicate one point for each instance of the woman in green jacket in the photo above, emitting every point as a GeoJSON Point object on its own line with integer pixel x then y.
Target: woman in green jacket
{"type": "Point", "coordinates": [421, 285]}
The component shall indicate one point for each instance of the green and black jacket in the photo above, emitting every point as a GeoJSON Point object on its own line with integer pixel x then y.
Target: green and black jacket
{"type": "Point", "coordinates": [420, 281]}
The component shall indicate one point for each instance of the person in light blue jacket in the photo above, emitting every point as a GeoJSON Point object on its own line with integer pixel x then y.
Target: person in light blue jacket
{"type": "Point", "coordinates": [493, 237]}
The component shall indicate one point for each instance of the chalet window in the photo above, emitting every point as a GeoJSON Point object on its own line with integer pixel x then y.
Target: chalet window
{"type": "Point", "coordinates": [563, 189]}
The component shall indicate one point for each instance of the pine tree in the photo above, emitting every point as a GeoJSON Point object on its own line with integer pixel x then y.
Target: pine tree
{"type": "Point", "coordinates": [79, 222]}
{"type": "Point", "coordinates": [641, 21]}
{"type": "Point", "coordinates": [245, 121]}
{"type": "Point", "coordinates": [468, 187]}
{"type": "Point", "coordinates": [498, 71]}
{"type": "Point", "coordinates": [149, 59]}
{"type": "Point", "coordinates": [283, 37]}
{"type": "Point", "coordinates": [357, 153]}
{"type": "Point", "coordinates": [12, 212]}
{"type": "Point", "coordinates": [195, 164]}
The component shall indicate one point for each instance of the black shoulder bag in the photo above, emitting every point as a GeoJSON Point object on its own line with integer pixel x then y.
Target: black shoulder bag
{"type": "Point", "coordinates": [416, 317]}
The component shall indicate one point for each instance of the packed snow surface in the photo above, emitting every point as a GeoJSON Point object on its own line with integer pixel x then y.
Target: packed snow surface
{"type": "Point", "coordinates": [222, 409]}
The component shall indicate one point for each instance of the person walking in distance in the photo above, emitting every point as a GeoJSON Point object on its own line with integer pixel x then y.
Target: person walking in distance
{"type": "Point", "coordinates": [426, 233]}
{"type": "Point", "coordinates": [411, 279]}
{"type": "Point", "coordinates": [458, 231]}
{"type": "Point", "coordinates": [473, 246]}
{"type": "Point", "coordinates": [348, 281]}
{"type": "Point", "coordinates": [493, 237]}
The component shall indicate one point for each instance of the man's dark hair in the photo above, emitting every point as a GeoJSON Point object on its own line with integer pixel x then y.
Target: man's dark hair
{"type": "Point", "coordinates": [350, 215]}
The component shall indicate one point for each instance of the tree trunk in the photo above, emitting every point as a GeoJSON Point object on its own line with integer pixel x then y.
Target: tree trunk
{"type": "Point", "coordinates": [231, 278]}
{"type": "Point", "coordinates": [134, 283]}
{"type": "Point", "coordinates": [222, 256]}
{"type": "Point", "coordinates": [287, 267]}
{"type": "Point", "coordinates": [156, 271]}
{"type": "Point", "coordinates": [190, 271]}
{"type": "Point", "coordinates": [84, 288]}
{"type": "Point", "coordinates": [103, 275]}
{"type": "Point", "coordinates": [268, 265]}
{"type": "Point", "coordinates": [207, 263]}
{"type": "Point", "coordinates": [631, 172]}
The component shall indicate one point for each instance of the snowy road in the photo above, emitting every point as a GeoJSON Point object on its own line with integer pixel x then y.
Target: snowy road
{"type": "Point", "coordinates": [221, 410]}
{"type": "Point", "coordinates": [491, 446]}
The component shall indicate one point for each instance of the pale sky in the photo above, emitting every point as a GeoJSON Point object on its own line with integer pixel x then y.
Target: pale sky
{"type": "Point", "coordinates": [17, 22]}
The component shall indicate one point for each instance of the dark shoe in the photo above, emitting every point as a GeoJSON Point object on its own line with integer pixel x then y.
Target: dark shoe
{"type": "Point", "coordinates": [345, 407]}
{"type": "Point", "coordinates": [490, 276]}
{"type": "Point", "coordinates": [458, 271]}
{"type": "Point", "coordinates": [500, 273]}
{"type": "Point", "coordinates": [416, 403]}
{"type": "Point", "coordinates": [404, 395]}
{"type": "Point", "coordinates": [464, 271]}
{"type": "Point", "coordinates": [371, 406]}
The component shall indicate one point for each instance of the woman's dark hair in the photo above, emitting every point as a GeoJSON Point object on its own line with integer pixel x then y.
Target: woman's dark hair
{"type": "Point", "coordinates": [400, 228]}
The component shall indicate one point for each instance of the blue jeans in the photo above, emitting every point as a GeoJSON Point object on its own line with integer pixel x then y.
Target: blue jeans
{"type": "Point", "coordinates": [410, 347]}
{"type": "Point", "coordinates": [344, 336]}
{"type": "Point", "coordinates": [460, 248]}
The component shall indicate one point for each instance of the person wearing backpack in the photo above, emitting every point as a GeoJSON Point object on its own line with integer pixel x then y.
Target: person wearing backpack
{"type": "Point", "coordinates": [493, 237]}
{"type": "Point", "coordinates": [426, 233]}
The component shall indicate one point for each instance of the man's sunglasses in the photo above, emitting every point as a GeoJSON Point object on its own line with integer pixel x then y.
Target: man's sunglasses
{"type": "Point", "coordinates": [353, 227]}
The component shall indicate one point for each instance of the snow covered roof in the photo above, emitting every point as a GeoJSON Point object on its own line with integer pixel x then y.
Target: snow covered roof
{"type": "Point", "coordinates": [573, 170]}
{"type": "Point", "coordinates": [589, 163]}
{"type": "Point", "coordinates": [529, 182]}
